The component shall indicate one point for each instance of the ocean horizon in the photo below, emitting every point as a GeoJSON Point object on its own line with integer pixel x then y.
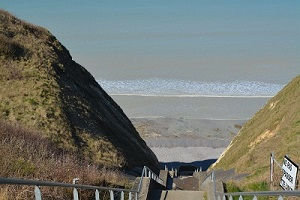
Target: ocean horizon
{"type": "Point", "coordinates": [165, 58]}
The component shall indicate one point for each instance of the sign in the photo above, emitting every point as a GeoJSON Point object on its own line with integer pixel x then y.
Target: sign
{"type": "Point", "coordinates": [289, 178]}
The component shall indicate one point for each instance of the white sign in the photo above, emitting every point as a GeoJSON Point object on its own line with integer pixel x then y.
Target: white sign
{"type": "Point", "coordinates": [289, 178]}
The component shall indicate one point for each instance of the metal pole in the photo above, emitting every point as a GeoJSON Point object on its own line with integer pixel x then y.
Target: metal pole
{"type": "Point", "coordinates": [97, 195]}
{"type": "Point", "coordinates": [271, 168]}
{"type": "Point", "coordinates": [37, 193]}
{"type": "Point", "coordinates": [214, 181]}
{"type": "Point", "coordinates": [130, 196]}
{"type": "Point", "coordinates": [75, 194]}
{"type": "Point", "coordinates": [111, 195]}
{"type": "Point", "coordinates": [122, 195]}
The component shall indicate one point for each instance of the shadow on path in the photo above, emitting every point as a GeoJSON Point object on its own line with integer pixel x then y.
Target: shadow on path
{"type": "Point", "coordinates": [204, 164]}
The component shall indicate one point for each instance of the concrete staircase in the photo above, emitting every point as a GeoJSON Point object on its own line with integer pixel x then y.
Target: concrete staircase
{"type": "Point", "coordinates": [178, 188]}
{"type": "Point", "coordinates": [197, 185]}
{"type": "Point", "coordinates": [176, 195]}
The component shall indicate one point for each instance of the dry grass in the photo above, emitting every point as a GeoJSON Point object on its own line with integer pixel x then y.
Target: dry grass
{"type": "Point", "coordinates": [10, 49]}
{"type": "Point", "coordinates": [43, 89]}
{"type": "Point", "coordinates": [276, 128]}
{"type": "Point", "coordinates": [27, 154]}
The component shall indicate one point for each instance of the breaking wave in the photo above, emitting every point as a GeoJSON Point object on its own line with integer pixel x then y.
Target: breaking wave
{"type": "Point", "coordinates": [160, 87]}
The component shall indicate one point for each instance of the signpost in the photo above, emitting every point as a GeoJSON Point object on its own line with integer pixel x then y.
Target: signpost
{"type": "Point", "coordinates": [289, 178]}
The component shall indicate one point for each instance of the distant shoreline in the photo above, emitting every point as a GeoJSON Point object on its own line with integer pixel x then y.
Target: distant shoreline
{"type": "Point", "coordinates": [187, 117]}
{"type": "Point", "coordinates": [136, 106]}
{"type": "Point", "coordinates": [191, 96]}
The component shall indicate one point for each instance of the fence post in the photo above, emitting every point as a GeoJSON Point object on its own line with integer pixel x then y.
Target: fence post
{"type": "Point", "coordinates": [271, 168]}
{"type": "Point", "coordinates": [214, 183]}
{"type": "Point", "coordinates": [122, 195]}
{"type": "Point", "coordinates": [75, 194]}
{"type": "Point", "coordinates": [97, 195]}
{"type": "Point", "coordinates": [130, 196]}
{"type": "Point", "coordinates": [37, 193]}
{"type": "Point", "coordinates": [111, 195]}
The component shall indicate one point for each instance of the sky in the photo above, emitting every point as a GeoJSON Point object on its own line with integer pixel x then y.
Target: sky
{"type": "Point", "coordinates": [216, 40]}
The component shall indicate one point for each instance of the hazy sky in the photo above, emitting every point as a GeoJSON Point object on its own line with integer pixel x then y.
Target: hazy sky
{"type": "Point", "coordinates": [172, 38]}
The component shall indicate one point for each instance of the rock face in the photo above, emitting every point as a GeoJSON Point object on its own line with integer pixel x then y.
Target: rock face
{"type": "Point", "coordinates": [276, 127]}
{"type": "Point", "coordinates": [42, 88]}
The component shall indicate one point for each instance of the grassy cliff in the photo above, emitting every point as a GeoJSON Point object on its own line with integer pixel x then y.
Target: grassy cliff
{"type": "Point", "coordinates": [276, 127]}
{"type": "Point", "coordinates": [44, 90]}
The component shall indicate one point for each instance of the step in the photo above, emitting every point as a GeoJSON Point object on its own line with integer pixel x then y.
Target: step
{"type": "Point", "coordinates": [176, 195]}
{"type": "Point", "coordinates": [186, 183]}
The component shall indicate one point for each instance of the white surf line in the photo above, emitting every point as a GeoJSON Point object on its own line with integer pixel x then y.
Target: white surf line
{"type": "Point", "coordinates": [191, 96]}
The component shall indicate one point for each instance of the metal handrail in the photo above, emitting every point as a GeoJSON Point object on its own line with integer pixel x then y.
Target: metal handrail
{"type": "Point", "coordinates": [145, 173]}
{"type": "Point", "coordinates": [261, 193]}
{"type": "Point", "coordinates": [209, 177]}
{"type": "Point", "coordinates": [223, 195]}
{"type": "Point", "coordinates": [15, 181]}
{"type": "Point", "coordinates": [148, 173]}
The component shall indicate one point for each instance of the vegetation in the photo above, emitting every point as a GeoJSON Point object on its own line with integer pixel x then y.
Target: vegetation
{"type": "Point", "coordinates": [261, 186]}
{"type": "Point", "coordinates": [276, 128]}
{"type": "Point", "coordinates": [43, 89]}
{"type": "Point", "coordinates": [26, 154]}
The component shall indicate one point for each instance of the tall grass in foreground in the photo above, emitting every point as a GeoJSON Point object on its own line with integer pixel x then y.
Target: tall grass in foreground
{"type": "Point", "coordinates": [26, 154]}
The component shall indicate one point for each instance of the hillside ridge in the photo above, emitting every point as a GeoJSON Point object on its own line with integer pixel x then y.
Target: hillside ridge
{"type": "Point", "coordinates": [276, 127]}
{"type": "Point", "coordinates": [43, 89]}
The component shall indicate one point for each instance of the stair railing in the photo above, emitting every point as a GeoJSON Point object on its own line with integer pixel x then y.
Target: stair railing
{"type": "Point", "coordinates": [255, 194]}
{"type": "Point", "coordinates": [150, 174]}
{"type": "Point", "coordinates": [132, 194]}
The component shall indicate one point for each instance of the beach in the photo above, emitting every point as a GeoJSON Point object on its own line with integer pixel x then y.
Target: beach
{"type": "Point", "coordinates": [210, 107]}
{"type": "Point", "coordinates": [188, 129]}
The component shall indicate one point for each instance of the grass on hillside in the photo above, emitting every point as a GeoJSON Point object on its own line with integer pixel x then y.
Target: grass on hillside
{"type": "Point", "coordinates": [26, 154]}
{"type": "Point", "coordinates": [40, 89]}
{"type": "Point", "coordinates": [276, 128]}
{"type": "Point", "coordinates": [261, 186]}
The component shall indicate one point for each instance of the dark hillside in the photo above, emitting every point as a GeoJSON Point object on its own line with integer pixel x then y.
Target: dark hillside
{"type": "Point", "coordinates": [43, 89]}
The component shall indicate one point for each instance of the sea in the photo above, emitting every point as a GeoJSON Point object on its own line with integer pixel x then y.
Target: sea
{"type": "Point", "coordinates": [193, 58]}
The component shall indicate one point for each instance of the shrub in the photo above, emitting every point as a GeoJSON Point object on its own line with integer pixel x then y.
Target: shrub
{"type": "Point", "coordinates": [10, 49]}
